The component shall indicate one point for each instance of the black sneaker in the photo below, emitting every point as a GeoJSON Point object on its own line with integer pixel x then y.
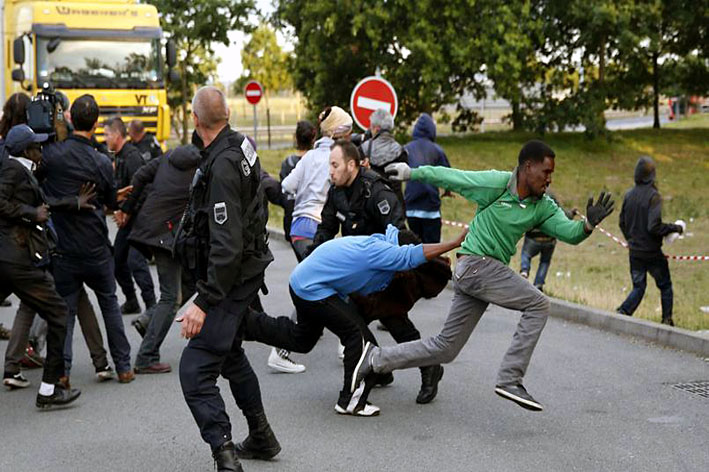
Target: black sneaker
{"type": "Point", "coordinates": [60, 397]}
{"type": "Point", "coordinates": [668, 321]}
{"type": "Point", "coordinates": [363, 367]}
{"type": "Point", "coordinates": [138, 327]}
{"type": "Point", "coordinates": [430, 376]}
{"type": "Point", "coordinates": [356, 404]}
{"type": "Point", "coordinates": [130, 307]}
{"type": "Point", "coordinates": [13, 381]}
{"type": "Point", "coordinates": [519, 395]}
{"type": "Point", "coordinates": [104, 374]}
{"type": "Point", "coordinates": [225, 458]}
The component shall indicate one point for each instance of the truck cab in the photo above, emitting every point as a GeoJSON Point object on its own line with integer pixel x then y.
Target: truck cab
{"type": "Point", "coordinates": [110, 49]}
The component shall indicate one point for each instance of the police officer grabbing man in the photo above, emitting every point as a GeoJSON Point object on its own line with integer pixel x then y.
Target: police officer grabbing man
{"type": "Point", "coordinates": [222, 241]}
{"type": "Point", "coordinates": [361, 203]}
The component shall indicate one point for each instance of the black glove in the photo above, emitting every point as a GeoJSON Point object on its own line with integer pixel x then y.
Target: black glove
{"type": "Point", "coordinates": [603, 207]}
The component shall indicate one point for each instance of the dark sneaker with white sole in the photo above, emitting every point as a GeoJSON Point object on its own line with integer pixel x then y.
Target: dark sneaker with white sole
{"type": "Point", "coordinates": [13, 381]}
{"type": "Point", "coordinates": [364, 365]}
{"type": "Point", "coordinates": [356, 403]}
{"type": "Point", "coordinates": [519, 395]}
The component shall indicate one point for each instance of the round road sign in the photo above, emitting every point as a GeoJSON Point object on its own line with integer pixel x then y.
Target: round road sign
{"type": "Point", "coordinates": [372, 93]}
{"type": "Point", "coordinates": [253, 92]}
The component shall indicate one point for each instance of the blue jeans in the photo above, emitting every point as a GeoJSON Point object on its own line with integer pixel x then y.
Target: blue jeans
{"type": "Point", "coordinates": [660, 271]}
{"type": "Point", "coordinates": [71, 274]}
{"type": "Point", "coordinates": [160, 317]}
{"type": "Point", "coordinates": [531, 248]}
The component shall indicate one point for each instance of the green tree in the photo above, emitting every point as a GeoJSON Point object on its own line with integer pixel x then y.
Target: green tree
{"type": "Point", "coordinates": [426, 49]}
{"type": "Point", "coordinates": [195, 27]}
{"type": "Point", "coordinates": [264, 60]}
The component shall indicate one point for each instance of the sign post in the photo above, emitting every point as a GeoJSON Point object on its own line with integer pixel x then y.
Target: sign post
{"type": "Point", "coordinates": [372, 93]}
{"type": "Point", "coordinates": [253, 93]}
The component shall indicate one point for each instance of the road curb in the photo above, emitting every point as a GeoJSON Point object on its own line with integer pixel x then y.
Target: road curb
{"type": "Point", "coordinates": [656, 333]}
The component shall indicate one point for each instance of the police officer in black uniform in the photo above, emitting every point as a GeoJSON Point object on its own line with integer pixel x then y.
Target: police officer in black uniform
{"type": "Point", "coordinates": [361, 203]}
{"type": "Point", "coordinates": [25, 245]}
{"type": "Point", "coordinates": [222, 240]}
{"type": "Point", "coordinates": [146, 143]}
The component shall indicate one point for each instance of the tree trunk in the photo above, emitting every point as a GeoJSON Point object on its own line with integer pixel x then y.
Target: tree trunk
{"type": "Point", "coordinates": [516, 116]}
{"type": "Point", "coordinates": [656, 90]}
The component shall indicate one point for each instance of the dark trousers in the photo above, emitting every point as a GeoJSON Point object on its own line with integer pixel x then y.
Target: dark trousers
{"type": "Point", "coordinates": [160, 317]}
{"type": "Point", "coordinates": [300, 247]}
{"type": "Point", "coordinates": [35, 288]}
{"type": "Point", "coordinates": [337, 315]}
{"type": "Point", "coordinates": [22, 327]}
{"type": "Point", "coordinates": [131, 264]}
{"type": "Point", "coordinates": [71, 274]}
{"type": "Point", "coordinates": [215, 351]}
{"type": "Point", "coordinates": [531, 248]}
{"type": "Point", "coordinates": [428, 229]}
{"type": "Point", "coordinates": [660, 271]}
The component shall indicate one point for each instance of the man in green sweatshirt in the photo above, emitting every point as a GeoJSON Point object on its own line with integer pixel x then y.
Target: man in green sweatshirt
{"type": "Point", "coordinates": [509, 204]}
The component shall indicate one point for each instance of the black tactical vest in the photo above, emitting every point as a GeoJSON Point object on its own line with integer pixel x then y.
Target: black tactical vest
{"type": "Point", "coordinates": [191, 243]}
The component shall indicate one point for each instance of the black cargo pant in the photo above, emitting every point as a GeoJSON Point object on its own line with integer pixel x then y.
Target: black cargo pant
{"type": "Point", "coordinates": [35, 288]}
{"type": "Point", "coordinates": [337, 315]}
{"type": "Point", "coordinates": [216, 351]}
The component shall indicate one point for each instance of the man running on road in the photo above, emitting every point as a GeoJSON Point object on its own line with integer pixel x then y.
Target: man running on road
{"type": "Point", "coordinates": [509, 204]}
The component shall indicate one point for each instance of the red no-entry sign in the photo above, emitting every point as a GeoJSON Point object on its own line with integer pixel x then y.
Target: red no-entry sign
{"type": "Point", "coordinates": [253, 92]}
{"type": "Point", "coordinates": [372, 93]}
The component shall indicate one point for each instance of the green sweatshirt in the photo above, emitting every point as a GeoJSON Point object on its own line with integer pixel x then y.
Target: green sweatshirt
{"type": "Point", "coordinates": [502, 218]}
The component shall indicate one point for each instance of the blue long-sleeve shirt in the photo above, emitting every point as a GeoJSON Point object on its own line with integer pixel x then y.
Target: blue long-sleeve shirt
{"type": "Point", "coordinates": [354, 264]}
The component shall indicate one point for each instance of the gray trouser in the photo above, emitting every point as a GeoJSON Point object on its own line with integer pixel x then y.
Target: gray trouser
{"type": "Point", "coordinates": [478, 281]}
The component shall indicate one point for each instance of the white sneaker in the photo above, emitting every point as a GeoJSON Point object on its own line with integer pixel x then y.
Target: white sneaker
{"type": "Point", "coordinates": [280, 360]}
{"type": "Point", "coordinates": [368, 410]}
{"type": "Point", "coordinates": [340, 351]}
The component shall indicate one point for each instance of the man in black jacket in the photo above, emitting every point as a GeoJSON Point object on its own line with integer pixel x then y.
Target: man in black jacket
{"type": "Point", "coordinates": [361, 203]}
{"type": "Point", "coordinates": [222, 240]}
{"type": "Point", "coordinates": [163, 184]}
{"type": "Point", "coordinates": [84, 250]}
{"type": "Point", "coordinates": [146, 143]}
{"type": "Point", "coordinates": [130, 263]}
{"type": "Point", "coordinates": [24, 254]}
{"type": "Point", "coordinates": [642, 226]}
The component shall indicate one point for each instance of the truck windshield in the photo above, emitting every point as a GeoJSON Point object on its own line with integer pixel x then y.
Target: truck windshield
{"type": "Point", "coordinates": [99, 63]}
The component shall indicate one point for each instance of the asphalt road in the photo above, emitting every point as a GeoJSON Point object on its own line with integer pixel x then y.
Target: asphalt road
{"type": "Point", "coordinates": [610, 405]}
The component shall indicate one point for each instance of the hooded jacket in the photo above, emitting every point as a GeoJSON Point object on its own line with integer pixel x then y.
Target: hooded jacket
{"type": "Point", "coordinates": [641, 215]}
{"type": "Point", "coordinates": [381, 151]}
{"type": "Point", "coordinates": [163, 184]}
{"type": "Point", "coordinates": [423, 151]}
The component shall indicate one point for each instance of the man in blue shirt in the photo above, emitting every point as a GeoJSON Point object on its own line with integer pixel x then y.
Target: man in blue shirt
{"type": "Point", "coordinates": [320, 287]}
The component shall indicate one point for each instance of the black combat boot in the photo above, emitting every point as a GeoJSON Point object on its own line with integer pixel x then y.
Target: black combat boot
{"type": "Point", "coordinates": [225, 459]}
{"type": "Point", "coordinates": [430, 376]}
{"type": "Point", "coordinates": [261, 443]}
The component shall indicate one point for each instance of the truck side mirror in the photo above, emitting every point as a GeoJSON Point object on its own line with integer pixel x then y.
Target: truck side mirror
{"type": "Point", "coordinates": [18, 51]}
{"type": "Point", "coordinates": [171, 54]}
{"type": "Point", "coordinates": [18, 75]}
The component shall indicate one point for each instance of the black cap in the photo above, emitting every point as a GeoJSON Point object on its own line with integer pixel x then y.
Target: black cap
{"type": "Point", "coordinates": [21, 136]}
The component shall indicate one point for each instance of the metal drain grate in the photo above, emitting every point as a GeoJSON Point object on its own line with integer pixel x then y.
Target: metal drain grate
{"type": "Point", "coordinates": [700, 387]}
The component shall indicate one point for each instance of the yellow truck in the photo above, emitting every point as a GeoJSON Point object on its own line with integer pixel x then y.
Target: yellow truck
{"type": "Point", "coordinates": [110, 49]}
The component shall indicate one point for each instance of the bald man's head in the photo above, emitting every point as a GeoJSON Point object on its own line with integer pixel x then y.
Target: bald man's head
{"type": "Point", "coordinates": [210, 107]}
